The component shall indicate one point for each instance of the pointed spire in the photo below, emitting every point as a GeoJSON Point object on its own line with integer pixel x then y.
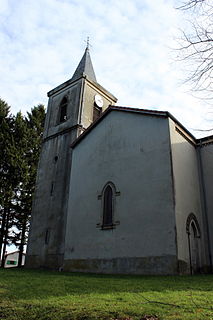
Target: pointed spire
{"type": "Point", "coordinates": [85, 67]}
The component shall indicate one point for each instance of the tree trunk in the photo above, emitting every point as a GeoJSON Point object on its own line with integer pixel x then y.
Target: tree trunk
{"type": "Point", "coordinates": [5, 239]}
{"type": "Point", "coordinates": [2, 232]}
{"type": "Point", "coordinates": [4, 251]}
{"type": "Point", "coordinates": [21, 247]}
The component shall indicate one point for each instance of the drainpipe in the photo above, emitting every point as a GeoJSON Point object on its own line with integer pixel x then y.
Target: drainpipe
{"type": "Point", "coordinates": [203, 201]}
{"type": "Point", "coordinates": [190, 255]}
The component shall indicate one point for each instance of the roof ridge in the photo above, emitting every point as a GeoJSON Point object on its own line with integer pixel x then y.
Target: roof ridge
{"type": "Point", "coordinates": [137, 109]}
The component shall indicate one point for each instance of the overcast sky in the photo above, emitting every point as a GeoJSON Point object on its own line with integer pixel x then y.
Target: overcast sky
{"type": "Point", "coordinates": [42, 42]}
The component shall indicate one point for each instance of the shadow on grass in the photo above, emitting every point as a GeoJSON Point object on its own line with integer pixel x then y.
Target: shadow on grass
{"type": "Point", "coordinates": [45, 295]}
{"type": "Point", "coordinates": [30, 284]}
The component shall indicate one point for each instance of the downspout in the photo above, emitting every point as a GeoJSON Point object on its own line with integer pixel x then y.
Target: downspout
{"type": "Point", "coordinates": [190, 254]}
{"type": "Point", "coordinates": [203, 202]}
{"type": "Point", "coordinates": [173, 196]}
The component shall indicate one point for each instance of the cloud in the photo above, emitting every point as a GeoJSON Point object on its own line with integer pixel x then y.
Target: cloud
{"type": "Point", "coordinates": [41, 43]}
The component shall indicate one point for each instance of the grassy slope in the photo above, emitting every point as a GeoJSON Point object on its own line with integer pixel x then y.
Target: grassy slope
{"type": "Point", "coordinates": [46, 295]}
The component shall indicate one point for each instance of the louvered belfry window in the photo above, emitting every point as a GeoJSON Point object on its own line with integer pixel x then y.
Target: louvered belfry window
{"type": "Point", "coordinates": [63, 110]}
{"type": "Point", "coordinates": [108, 207]}
{"type": "Point", "coordinates": [96, 113]}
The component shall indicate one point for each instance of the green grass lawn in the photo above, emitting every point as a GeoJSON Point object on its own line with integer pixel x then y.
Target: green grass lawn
{"type": "Point", "coordinates": [27, 294]}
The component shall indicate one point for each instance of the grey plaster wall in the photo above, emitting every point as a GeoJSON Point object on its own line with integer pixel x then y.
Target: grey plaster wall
{"type": "Point", "coordinates": [48, 223]}
{"type": "Point", "coordinates": [90, 90]}
{"type": "Point", "coordinates": [133, 152]}
{"type": "Point", "coordinates": [74, 95]}
{"type": "Point", "coordinates": [49, 211]}
{"type": "Point", "coordinates": [207, 170]}
{"type": "Point", "coordinates": [47, 232]}
{"type": "Point", "coordinates": [187, 193]}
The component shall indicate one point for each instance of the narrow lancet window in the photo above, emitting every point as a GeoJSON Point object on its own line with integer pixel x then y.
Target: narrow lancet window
{"type": "Point", "coordinates": [194, 245]}
{"type": "Point", "coordinates": [108, 207]}
{"type": "Point", "coordinates": [96, 113]}
{"type": "Point", "coordinates": [52, 189]}
{"type": "Point", "coordinates": [47, 235]}
{"type": "Point", "coordinates": [109, 218]}
{"type": "Point", "coordinates": [63, 110]}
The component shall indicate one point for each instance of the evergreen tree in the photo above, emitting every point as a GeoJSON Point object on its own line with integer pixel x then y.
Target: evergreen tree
{"type": "Point", "coordinates": [30, 135]}
{"type": "Point", "coordinates": [20, 139]}
{"type": "Point", "coordinates": [8, 176]}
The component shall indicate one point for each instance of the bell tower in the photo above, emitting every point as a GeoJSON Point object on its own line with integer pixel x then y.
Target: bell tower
{"type": "Point", "coordinates": [72, 107]}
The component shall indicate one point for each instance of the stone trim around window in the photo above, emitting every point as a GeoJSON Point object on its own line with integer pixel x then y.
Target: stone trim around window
{"type": "Point", "coordinates": [108, 222]}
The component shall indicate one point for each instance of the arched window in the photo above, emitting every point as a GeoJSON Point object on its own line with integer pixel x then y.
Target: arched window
{"type": "Point", "coordinates": [108, 216]}
{"type": "Point", "coordinates": [192, 224]}
{"type": "Point", "coordinates": [108, 207]}
{"type": "Point", "coordinates": [63, 110]}
{"type": "Point", "coordinates": [193, 231]}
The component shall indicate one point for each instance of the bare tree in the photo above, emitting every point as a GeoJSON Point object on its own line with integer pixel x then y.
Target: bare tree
{"type": "Point", "coordinates": [196, 45]}
{"type": "Point", "coordinates": [190, 4]}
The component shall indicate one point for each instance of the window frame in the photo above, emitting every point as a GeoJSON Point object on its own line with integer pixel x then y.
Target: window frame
{"type": "Point", "coordinates": [193, 222]}
{"type": "Point", "coordinates": [97, 112]}
{"type": "Point", "coordinates": [102, 225]}
{"type": "Point", "coordinates": [108, 207]}
{"type": "Point", "coordinates": [63, 106]}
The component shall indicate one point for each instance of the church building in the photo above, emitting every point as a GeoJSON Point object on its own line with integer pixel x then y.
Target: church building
{"type": "Point", "coordinates": [119, 190]}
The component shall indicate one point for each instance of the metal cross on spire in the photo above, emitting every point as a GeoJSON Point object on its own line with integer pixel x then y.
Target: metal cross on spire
{"type": "Point", "coordinates": [88, 44]}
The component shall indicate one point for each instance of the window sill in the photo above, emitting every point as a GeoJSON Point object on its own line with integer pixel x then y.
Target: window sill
{"type": "Point", "coordinates": [108, 227]}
